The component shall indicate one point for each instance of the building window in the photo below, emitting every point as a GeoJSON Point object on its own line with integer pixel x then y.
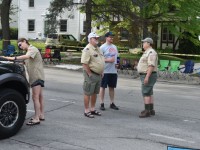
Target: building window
{"type": "Point", "coordinates": [84, 26]}
{"type": "Point", "coordinates": [63, 25]}
{"type": "Point", "coordinates": [31, 3]}
{"type": "Point", "coordinates": [31, 25]}
{"type": "Point", "coordinates": [124, 34]}
{"type": "Point", "coordinates": [167, 36]}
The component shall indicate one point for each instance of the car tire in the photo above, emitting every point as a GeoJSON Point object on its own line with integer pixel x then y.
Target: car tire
{"type": "Point", "coordinates": [12, 112]}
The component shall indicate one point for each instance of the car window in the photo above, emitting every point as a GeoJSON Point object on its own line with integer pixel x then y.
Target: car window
{"type": "Point", "coordinates": [65, 37]}
{"type": "Point", "coordinates": [53, 36]}
{"type": "Point", "coordinates": [71, 38]}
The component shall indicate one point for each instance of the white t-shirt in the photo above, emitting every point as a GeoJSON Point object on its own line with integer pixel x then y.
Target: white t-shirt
{"type": "Point", "coordinates": [109, 50]}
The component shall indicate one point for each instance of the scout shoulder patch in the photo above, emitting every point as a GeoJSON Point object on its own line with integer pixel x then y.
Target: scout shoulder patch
{"type": "Point", "coordinates": [152, 57]}
{"type": "Point", "coordinates": [86, 49]}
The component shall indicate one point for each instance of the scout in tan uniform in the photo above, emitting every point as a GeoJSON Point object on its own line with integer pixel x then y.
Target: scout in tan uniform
{"type": "Point", "coordinates": [34, 65]}
{"type": "Point", "coordinates": [93, 66]}
{"type": "Point", "coordinates": [147, 68]}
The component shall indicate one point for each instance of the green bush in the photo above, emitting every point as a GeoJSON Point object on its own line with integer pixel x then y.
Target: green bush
{"type": "Point", "coordinates": [188, 47]}
{"type": "Point", "coordinates": [38, 44]}
{"type": "Point", "coordinates": [13, 33]}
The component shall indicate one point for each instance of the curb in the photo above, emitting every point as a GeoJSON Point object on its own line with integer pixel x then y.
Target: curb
{"type": "Point", "coordinates": [128, 76]}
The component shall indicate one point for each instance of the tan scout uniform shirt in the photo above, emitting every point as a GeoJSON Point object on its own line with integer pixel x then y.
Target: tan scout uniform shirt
{"type": "Point", "coordinates": [34, 65]}
{"type": "Point", "coordinates": [94, 58]}
{"type": "Point", "coordinates": [149, 58]}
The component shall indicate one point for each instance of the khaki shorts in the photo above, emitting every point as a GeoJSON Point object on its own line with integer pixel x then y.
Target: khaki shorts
{"type": "Point", "coordinates": [147, 90]}
{"type": "Point", "coordinates": [91, 85]}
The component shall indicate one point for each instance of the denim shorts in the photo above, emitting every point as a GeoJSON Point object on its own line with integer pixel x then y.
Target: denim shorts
{"type": "Point", "coordinates": [38, 82]}
{"type": "Point", "coordinates": [147, 89]}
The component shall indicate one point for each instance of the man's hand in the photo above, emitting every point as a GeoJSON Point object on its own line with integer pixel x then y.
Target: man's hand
{"type": "Point", "coordinates": [146, 80]}
{"type": "Point", "coordinates": [89, 74]}
{"type": "Point", "coordinates": [111, 59]}
{"type": "Point", "coordinates": [102, 74]}
{"type": "Point", "coordinates": [117, 66]}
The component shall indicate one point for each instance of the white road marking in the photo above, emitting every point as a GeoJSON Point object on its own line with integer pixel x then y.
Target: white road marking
{"type": "Point", "coordinates": [60, 101]}
{"type": "Point", "coordinates": [30, 110]}
{"type": "Point", "coordinates": [189, 121]}
{"type": "Point", "coordinates": [172, 138]}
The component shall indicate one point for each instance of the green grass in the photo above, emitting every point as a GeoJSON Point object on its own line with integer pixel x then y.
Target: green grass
{"type": "Point", "coordinates": [38, 44]}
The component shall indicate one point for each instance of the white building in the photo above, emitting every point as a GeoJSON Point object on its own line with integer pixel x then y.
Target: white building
{"type": "Point", "coordinates": [31, 20]}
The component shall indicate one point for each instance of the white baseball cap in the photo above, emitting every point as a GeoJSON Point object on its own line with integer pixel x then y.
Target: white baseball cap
{"type": "Point", "coordinates": [91, 35]}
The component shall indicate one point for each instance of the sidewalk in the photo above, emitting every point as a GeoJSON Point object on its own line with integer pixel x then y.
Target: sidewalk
{"type": "Point", "coordinates": [194, 80]}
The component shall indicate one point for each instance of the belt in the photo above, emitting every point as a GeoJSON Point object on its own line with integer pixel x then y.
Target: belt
{"type": "Point", "coordinates": [95, 73]}
{"type": "Point", "coordinates": [146, 73]}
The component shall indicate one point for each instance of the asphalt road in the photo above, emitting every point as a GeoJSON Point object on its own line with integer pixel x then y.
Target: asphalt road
{"type": "Point", "coordinates": [177, 119]}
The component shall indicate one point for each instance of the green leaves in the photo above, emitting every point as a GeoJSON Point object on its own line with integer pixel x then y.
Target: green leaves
{"type": "Point", "coordinates": [137, 15]}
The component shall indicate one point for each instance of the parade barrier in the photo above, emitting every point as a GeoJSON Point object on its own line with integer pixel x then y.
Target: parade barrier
{"type": "Point", "coordinates": [177, 54]}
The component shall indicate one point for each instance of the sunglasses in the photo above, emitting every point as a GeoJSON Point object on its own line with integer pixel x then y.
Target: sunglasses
{"type": "Point", "coordinates": [19, 45]}
{"type": "Point", "coordinates": [96, 38]}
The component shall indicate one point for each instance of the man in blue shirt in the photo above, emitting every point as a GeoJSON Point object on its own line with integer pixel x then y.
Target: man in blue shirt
{"type": "Point", "coordinates": [109, 79]}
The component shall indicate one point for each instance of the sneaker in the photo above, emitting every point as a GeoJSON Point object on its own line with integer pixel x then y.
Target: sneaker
{"type": "Point", "coordinates": [152, 112]}
{"type": "Point", "coordinates": [113, 106]}
{"type": "Point", "coordinates": [144, 114]}
{"type": "Point", "coordinates": [102, 106]}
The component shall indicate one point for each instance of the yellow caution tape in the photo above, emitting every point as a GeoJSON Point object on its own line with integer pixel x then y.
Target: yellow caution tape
{"type": "Point", "coordinates": [176, 54]}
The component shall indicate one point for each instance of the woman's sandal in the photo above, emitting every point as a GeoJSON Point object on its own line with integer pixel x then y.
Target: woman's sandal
{"type": "Point", "coordinates": [31, 122]}
{"type": "Point", "coordinates": [89, 115]}
{"type": "Point", "coordinates": [41, 119]}
{"type": "Point", "coordinates": [95, 112]}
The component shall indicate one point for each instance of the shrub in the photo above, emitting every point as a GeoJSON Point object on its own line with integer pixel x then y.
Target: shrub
{"type": "Point", "coordinates": [188, 47]}
{"type": "Point", "coordinates": [13, 33]}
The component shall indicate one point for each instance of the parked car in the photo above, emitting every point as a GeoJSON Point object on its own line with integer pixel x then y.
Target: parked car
{"type": "Point", "coordinates": [14, 95]}
{"type": "Point", "coordinates": [63, 42]}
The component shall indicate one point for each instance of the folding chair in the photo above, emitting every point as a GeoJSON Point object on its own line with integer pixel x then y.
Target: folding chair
{"type": "Point", "coordinates": [174, 69]}
{"type": "Point", "coordinates": [135, 73]}
{"type": "Point", "coordinates": [126, 66]}
{"type": "Point", "coordinates": [163, 68]}
{"type": "Point", "coordinates": [9, 51]}
{"type": "Point", "coordinates": [188, 69]}
{"type": "Point", "coordinates": [118, 65]}
{"type": "Point", "coordinates": [47, 56]}
{"type": "Point", "coordinates": [56, 57]}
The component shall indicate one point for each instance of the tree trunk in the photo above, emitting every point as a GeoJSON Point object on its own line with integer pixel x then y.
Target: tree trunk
{"type": "Point", "coordinates": [88, 17]}
{"type": "Point", "coordinates": [5, 8]}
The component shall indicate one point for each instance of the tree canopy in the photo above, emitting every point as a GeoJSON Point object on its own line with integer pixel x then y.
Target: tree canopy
{"type": "Point", "coordinates": [140, 17]}
{"type": "Point", "coordinates": [57, 7]}
{"type": "Point", "coordinates": [179, 16]}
